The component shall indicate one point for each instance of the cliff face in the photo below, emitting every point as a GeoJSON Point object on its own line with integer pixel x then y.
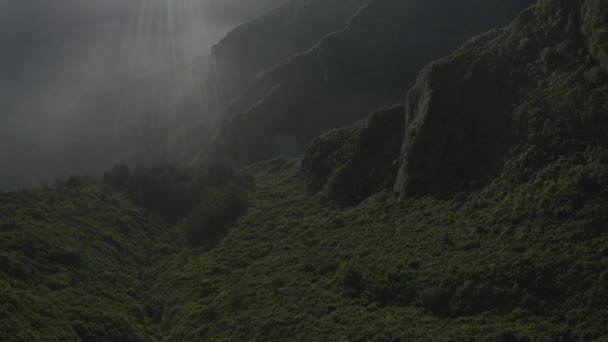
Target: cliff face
{"type": "Point", "coordinates": [292, 28]}
{"type": "Point", "coordinates": [499, 109]}
{"type": "Point", "coordinates": [348, 164]}
{"type": "Point", "coordinates": [350, 73]}
{"type": "Point", "coordinates": [525, 95]}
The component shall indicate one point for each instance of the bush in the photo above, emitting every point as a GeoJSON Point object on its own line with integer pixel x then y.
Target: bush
{"type": "Point", "coordinates": [218, 209]}
{"type": "Point", "coordinates": [169, 190]}
{"type": "Point", "coordinates": [77, 181]}
{"type": "Point", "coordinates": [118, 177]}
{"type": "Point", "coordinates": [220, 172]}
{"type": "Point", "coordinates": [436, 300]}
{"type": "Point", "coordinates": [173, 190]}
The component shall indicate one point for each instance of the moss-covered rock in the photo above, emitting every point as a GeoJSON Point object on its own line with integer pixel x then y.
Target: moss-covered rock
{"type": "Point", "coordinates": [348, 164]}
{"type": "Point", "coordinates": [536, 84]}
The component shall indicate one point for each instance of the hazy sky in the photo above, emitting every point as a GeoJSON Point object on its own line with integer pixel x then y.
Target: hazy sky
{"type": "Point", "coordinates": [87, 39]}
{"type": "Point", "coordinates": [55, 53]}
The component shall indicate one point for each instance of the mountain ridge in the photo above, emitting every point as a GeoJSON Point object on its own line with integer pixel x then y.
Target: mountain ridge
{"type": "Point", "coordinates": [475, 211]}
{"type": "Point", "coordinates": [347, 75]}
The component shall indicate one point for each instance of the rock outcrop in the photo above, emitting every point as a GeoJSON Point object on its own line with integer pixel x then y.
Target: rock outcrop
{"type": "Point", "coordinates": [348, 164]}
{"type": "Point", "coordinates": [537, 85]}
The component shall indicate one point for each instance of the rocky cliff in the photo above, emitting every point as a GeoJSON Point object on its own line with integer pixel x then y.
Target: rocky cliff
{"type": "Point", "coordinates": [528, 95]}
{"type": "Point", "coordinates": [349, 73]}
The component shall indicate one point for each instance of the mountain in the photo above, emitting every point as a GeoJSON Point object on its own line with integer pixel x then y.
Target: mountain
{"type": "Point", "coordinates": [349, 73]}
{"type": "Point", "coordinates": [348, 164]}
{"type": "Point", "coordinates": [534, 90]}
{"type": "Point", "coordinates": [258, 45]}
{"type": "Point", "coordinates": [250, 49]}
{"type": "Point", "coordinates": [476, 210]}
{"type": "Point", "coordinates": [534, 87]}
{"type": "Point", "coordinates": [148, 99]}
{"type": "Point", "coordinates": [83, 81]}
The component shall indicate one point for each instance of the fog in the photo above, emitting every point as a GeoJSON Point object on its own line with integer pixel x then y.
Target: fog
{"type": "Point", "coordinates": [71, 72]}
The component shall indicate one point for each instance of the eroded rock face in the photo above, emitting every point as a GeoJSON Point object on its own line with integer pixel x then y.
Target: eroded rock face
{"type": "Point", "coordinates": [534, 85]}
{"type": "Point", "coordinates": [459, 122]}
{"type": "Point", "coordinates": [293, 27]}
{"type": "Point", "coordinates": [352, 72]}
{"type": "Point", "coordinates": [348, 164]}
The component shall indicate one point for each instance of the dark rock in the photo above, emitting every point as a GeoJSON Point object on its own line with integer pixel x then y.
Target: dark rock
{"type": "Point", "coordinates": [349, 164]}
{"type": "Point", "coordinates": [350, 73]}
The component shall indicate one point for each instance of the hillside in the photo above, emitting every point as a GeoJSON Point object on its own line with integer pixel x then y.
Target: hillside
{"type": "Point", "coordinates": [72, 264]}
{"type": "Point", "coordinates": [475, 267]}
{"type": "Point", "coordinates": [475, 211]}
{"type": "Point", "coordinates": [86, 84]}
{"type": "Point", "coordinates": [517, 99]}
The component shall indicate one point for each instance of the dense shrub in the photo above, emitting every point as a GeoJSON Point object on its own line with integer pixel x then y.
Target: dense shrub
{"type": "Point", "coordinates": [221, 171]}
{"type": "Point", "coordinates": [172, 190]}
{"type": "Point", "coordinates": [436, 299]}
{"type": "Point", "coordinates": [67, 266]}
{"type": "Point", "coordinates": [218, 209]}
{"type": "Point", "coordinates": [523, 257]}
{"type": "Point", "coordinates": [169, 190]}
{"type": "Point", "coordinates": [76, 181]}
{"type": "Point", "coordinates": [118, 177]}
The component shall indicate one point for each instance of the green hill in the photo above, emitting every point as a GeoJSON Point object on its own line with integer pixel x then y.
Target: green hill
{"type": "Point", "coordinates": [475, 212]}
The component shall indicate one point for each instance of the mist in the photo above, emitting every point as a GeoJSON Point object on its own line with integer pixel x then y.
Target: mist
{"type": "Point", "coordinates": [81, 77]}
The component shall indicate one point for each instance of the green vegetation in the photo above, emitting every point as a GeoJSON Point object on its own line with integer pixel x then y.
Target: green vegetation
{"type": "Point", "coordinates": [75, 256]}
{"type": "Point", "coordinates": [498, 231]}
{"type": "Point", "coordinates": [217, 210]}
{"type": "Point", "coordinates": [527, 262]}
{"type": "Point", "coordinates": [173, 190]}
{"type": "Point", "coordinates": [532, 89]}
{"type": "Point", "coordinates": [71, 265]}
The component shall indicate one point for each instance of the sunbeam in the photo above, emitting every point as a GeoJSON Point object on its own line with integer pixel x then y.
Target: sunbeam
{"type": "Point", "coordinates": [303, 170]}
{"type": "Point", "coordinates": [110, 81]}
